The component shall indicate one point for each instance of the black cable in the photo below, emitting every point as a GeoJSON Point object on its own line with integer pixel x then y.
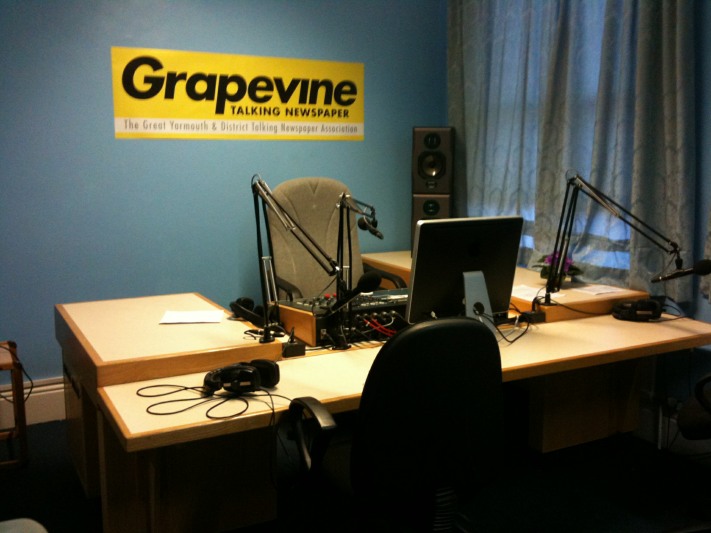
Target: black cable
{"type": "Point", "coordinates": [276, 329]}
{"type": "Point", "coordinates": [219, 398]}
{"type": "Point", "coordinates": [504, 336]}
{"type": "Point", "coordinates": [226, 398]}
{"type": "Point", "coordinates": [538, 300]}
{"type": "Point", "coordinates": [29, 378]}
{"type": "Point", "coordinates": [673, 308]}
{"type": "Point", "coordinates": [569, 308]}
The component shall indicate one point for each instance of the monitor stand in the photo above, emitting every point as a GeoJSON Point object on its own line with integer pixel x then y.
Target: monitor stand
{"type": "Point", "coordinates": [476, 299]}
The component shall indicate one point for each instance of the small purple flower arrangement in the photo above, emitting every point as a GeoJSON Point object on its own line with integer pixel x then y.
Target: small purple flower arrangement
{"type": "Point", "coordinates": [569, 269]}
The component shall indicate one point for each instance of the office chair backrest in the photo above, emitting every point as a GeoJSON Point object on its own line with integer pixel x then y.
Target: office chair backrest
{"type": "Point", "coordinates": [312, 202]}
{"type": "Point", "coordinates": [694, 418]}
{"type": "Point", "coordinates": [430, 422]}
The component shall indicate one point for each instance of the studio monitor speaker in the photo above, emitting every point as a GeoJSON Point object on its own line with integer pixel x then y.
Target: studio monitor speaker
{"type": "Point", "coordinates": [432, 160]}
{"type": "Point", "coordinates": [427, 206]}
{"type": "Point", "coordinates": [432, 170]}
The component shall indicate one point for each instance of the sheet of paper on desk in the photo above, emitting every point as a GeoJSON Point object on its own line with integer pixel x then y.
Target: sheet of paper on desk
{"type": "Point", "coordinates": [598, 289]}
{"type": "Point", "coordinates": [192, 317]}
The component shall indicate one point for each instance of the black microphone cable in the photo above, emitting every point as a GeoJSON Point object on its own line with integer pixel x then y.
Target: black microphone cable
{"type": "Point", "coordinates": [219, 399]}
{"type": "Point", "coordinates": [503, 336]}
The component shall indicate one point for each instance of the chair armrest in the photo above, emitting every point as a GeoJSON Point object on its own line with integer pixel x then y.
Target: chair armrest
{"type": "Point", "coordinates": [323, 426]}
{"type": "Point", "coordinates": [291, 290]}
{"type": "Point", "coordinates": [699, 392]}
{"type": "Point", "coordinates": [396, 280]}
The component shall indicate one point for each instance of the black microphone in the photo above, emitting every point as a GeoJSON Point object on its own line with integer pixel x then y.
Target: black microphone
{"type": "Point", "coordinates": [702, 268]}
{"type": "Point", "coordinates": [371, 226]}
{"type": "Point", "coordinates": [368, 282]}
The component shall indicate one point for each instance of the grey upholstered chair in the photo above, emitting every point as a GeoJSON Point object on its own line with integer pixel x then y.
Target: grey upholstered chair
{"type": "Point", "coordinates": [313, 204]}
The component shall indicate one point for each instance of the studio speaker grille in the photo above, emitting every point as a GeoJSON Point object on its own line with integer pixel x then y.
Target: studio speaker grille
{"type": "Point", "coordinates": [432, 160]}
{"type": "Point", "coordinates": [432, 169]}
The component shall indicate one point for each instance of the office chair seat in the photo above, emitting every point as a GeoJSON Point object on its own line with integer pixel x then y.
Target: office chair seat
{"type": "Point", "coordinates": [429, 427]}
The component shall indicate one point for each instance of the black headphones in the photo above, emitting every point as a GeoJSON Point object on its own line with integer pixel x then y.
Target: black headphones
{"type": "Point", "coordinates": [244, 308]}
{"type": "Point", "coordinates": [637, 310]}
{"type": "Point", "coordinates": [242, 377]}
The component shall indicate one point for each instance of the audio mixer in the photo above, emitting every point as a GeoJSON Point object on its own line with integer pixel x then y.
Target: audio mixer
{"type": "Point", "coordinates": [311, 318]}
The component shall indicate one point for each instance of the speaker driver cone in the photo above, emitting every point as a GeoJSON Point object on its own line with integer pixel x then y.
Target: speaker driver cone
{"type": "Point", "coordinates": [432, 164]}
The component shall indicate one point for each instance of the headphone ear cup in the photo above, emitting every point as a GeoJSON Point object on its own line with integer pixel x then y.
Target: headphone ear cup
{"type": "Point", "coordinates": [243, 378]}
{"type": "Point", "coordinates": [637, 310]}
{"type": "Point", "coordinates": [246, 302]}
{"type": "Point", "coordinates": [211, 383]}
{"type": "Point", "coordinates": [244, 308]}
{"type": "Point", "coordinates": [268, 372]}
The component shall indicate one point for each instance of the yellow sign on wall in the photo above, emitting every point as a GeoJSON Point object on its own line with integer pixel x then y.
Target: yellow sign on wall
{"type": "Point", "coordinates": [196, 95]}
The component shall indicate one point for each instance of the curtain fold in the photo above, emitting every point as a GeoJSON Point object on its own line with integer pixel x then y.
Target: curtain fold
{"type": "Point", "coordinates": [540, 89]}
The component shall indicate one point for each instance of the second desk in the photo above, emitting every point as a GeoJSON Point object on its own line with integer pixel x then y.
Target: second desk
{"type": "Point", "coordinates": [173, 473]}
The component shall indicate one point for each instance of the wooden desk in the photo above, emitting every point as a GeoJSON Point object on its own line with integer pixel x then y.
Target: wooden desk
{"type": "Point", "coordinates": [576, 304]}
{"type": "Point", "coordinates": [173, 473]}
{"type": "Point", "coordinates": [118, 341]}
{"type": "Point", "coordinates": [336, 378]}
{"type": "Point", "coordinates": [398, 263]}
{"type": "Point", "coordinates": [185, 473]}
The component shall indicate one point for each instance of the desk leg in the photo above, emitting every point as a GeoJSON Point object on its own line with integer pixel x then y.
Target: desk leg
{"type": "Point", "coordinates": [127, 487]}
{"type": "Point", "coordinates": [217, 484]}
{"type": "Point", "coordinates": [580, 406]}
{"type": "Point", "coordinates": [81, 418]}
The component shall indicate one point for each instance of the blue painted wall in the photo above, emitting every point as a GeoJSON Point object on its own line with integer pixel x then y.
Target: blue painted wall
{"type": "Point", "coordinates": [84, 216]}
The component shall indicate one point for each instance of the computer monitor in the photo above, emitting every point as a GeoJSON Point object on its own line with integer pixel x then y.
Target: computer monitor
{"type": "Point", "coordinates": [444, 249]}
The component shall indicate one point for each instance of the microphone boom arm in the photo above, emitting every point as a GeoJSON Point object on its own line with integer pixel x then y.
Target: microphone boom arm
{"type": "Point", "coordinates": [574, 186]}
{"type": "Point", "coordinates": [601, 198]}
{"type": "Point", "coordinates": [357, 206]}
{"type": "Point", "coordinates": [332, 267]}
{"type": "Point", "coordinates": [325, 261]}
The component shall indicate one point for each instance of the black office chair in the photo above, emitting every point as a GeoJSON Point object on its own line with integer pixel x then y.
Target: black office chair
{"type": "Point", "coordinates": [694, 423]}
{"type": "Point", "coordinates": [427, 435]}
{"type": "Point", "coordinates": [694, 418]}
{"type": "Point", "coordinates": [313, 204]}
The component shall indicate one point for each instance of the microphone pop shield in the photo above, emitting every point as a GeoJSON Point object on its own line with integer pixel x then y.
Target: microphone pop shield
{"type": "Point", "coordinates": [368, 282]}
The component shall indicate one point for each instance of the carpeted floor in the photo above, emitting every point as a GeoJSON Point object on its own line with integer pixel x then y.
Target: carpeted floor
{"type": "Point", "coordinates": [619, 484]}
{"type": "Point", "coordinates": [47, 489]}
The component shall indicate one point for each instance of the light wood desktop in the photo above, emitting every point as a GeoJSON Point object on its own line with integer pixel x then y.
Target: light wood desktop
{"type": "Point", "coordinates": [576, 303]}
{"type": "Point", "coordinates": [182, 472]}
{"type": "Point", "coordinates": [398, 263]}
{"type": "Point", "coordinates": [336, 377]}
{"type": "Point", "coordinates": [575, 404]}
{"type": "Point", "coordinates": [118, 341]}
{"type": "Point", "coordinates": [171, 473]}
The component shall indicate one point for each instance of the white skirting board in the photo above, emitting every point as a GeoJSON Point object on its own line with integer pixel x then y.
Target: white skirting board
{"type": "Point", "coordinates": [45, 403]}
